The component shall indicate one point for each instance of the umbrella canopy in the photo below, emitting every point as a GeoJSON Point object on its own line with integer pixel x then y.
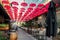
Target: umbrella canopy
{"type": "Point", "coordinates": [32, 5]}
{"type": "Point", "coordinates": [24, 4]}
{"type": "Point", "coordinates": [14, 3]}
{"type": "Point", "coordinates": [23, 10]}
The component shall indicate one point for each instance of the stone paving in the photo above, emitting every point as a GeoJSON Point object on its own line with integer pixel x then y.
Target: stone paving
{"type": "Point", "coordinates": [22, 35]}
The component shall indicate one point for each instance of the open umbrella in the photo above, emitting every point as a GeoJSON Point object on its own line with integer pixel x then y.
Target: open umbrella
{"type": "Point", "coordinates": [25, 10]}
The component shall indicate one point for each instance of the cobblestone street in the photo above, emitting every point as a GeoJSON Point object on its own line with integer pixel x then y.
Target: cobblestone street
{"type": "Point", "coordinates": [24, 36]}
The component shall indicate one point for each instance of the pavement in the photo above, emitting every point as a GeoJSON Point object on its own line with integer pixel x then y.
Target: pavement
{"type": "Point", "coordinates": [22, 35]}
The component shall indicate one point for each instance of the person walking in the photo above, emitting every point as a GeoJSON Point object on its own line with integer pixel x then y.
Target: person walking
{"type": "Point", "coordinates": [13, 31]}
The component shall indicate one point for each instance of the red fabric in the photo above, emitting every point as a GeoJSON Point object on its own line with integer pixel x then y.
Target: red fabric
{"type": "Point", "coordinates": [24, 4]}
{"type": "Point", "coordinates": [7, 7]}
{"type": "Point", "coordinates": [30, 9]}
{"type": "Point", "coordinates": [32, 14]}
{"type": "Point", "coordinates": [32, 5]}
{"type": "Point", "coordinates": [38, 11]}
{"type": "Point", "coordinates": [21, 12]}
{"type": "Point", "coordinates": [26, 13]}
{"type": "Point", "coordinates": [14, 3]}
{"type": "Point", "coordinates": [15, 9]}
{"type": "Point", "coordinates": [40, 5]}
{"type": "Point", "coordinates": [10, 15]}
{"type": "Point", "coordinates": [20, 15]}
{"type": "Point", "coordinates": [9, 11]}
{"type": "Point", "coordinates": [5, 2]}
{"type": "Point", "coordinates": [22, 9]}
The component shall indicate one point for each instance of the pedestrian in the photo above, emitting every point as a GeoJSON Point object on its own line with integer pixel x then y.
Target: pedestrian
{"type": "Point", "coordinates": [13, 30]}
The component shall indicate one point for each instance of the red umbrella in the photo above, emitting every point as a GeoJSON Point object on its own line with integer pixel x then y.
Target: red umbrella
{"type": "Point", "coordinates": [36, 14]}
{"type": "Point", "coordinates": [10, 14]}
{"type": "Point", "coordinates": [24, 4]}
{"type": "Point", "coordinates": [27, 12]}
{"type": "Point", "coordinates": [14, 3]}
{"type": "Point", "coordinates": [7, 7]}
{"type": "Point", "coordinates": [22, 9]}
{"type": "Point", "coordinates": [19, 16]}
{"type": "Point", "coordinates": [15, 9]}
{"type": "Point", "coordinates": [24, 15]}
{"type": "Point", "coordinates": [31, 13]}
{"type": "Point", "coordinates": [5, 2]}
{"type": "Point", "coordinates": [32, 5]}
{"type": "Point", "coordinates": [30, 9]}
{"type": "Point", "coordinates": [47, 5]}
{"type": "Point", "coordinates": [40, 5]}
{"type": "Point", "coordinates": [9, 11]}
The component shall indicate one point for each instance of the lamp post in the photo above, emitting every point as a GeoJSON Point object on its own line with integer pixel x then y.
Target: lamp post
{"type": "Point", "coordinates": [51, 27]}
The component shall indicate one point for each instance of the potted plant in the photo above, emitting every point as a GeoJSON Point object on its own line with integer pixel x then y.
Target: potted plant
{"type": "Point", "coordinates": [2, 37]}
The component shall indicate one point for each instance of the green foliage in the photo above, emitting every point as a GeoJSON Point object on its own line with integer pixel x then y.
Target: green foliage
{"type": "Point", "coordinates": [31, 23]}
{"type": "Point", "coordinates": [3, 25]}
{"type": "Point", "coordinates": [2, 37]}
{"type": "Point", "coordinates": [27, 24]}
{"type": "Point", "coordinates": [59, 33]}
{"type": "Point", "coordinates": [58, 23]}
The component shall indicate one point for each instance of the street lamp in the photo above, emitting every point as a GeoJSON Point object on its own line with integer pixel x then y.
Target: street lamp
{"type": "Point", "coordinates": [51, 27]}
